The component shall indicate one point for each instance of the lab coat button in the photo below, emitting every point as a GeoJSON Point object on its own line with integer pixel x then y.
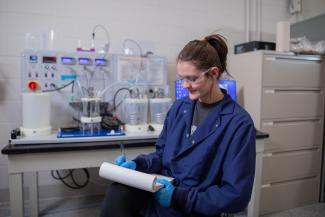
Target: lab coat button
{"type": "Point", "coordinates": [184, 111]}
{"type": "Point", "coordinates": [193, 142]}
{"type": "Point", "coordinates": [217, 125]}
{"type": "Point", "coordinates": [187, 135]}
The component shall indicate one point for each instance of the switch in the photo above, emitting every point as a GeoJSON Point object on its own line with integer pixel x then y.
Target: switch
{"type": "Point", "coordinates": [33, 85]}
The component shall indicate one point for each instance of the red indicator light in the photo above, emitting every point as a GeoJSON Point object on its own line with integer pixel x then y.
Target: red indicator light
{"type": "Point", "coordinates": [33, 85]}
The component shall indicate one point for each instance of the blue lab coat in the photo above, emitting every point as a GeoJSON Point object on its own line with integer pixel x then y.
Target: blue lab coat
{"type": "Point", "coordinates": [214, 167]}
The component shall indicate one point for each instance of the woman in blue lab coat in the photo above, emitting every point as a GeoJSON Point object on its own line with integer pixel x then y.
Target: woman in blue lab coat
{"type": "Point", "coordinates": [207, 144]}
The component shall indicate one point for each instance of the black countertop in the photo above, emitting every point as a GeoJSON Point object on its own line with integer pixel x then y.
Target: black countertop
{"type": "Point", "coordinates": [59, 147]}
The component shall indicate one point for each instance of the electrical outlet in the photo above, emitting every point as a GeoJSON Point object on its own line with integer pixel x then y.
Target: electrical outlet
{"type": "Point", "coordinates": [294, 6]}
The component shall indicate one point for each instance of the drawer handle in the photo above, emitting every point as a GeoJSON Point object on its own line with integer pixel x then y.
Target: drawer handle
{"type": "Point", "coordinates": [266, 185]}
{"type": "Point", "coordinates": [274, 91]}
{"type": "Point", "coordinates": [297, 58]}
{"type": "Point", "coordinates": [271, 123]}
{"type": "Point", "coordinates": [267, 155]}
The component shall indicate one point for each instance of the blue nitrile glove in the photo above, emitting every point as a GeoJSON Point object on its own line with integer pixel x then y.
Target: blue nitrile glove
{"type": "Point", "coordinates": [129, 164]}
{"type": "Point", "coordinates": [165, 194]}
{"type": "Point", "coordinates": [121, 161]}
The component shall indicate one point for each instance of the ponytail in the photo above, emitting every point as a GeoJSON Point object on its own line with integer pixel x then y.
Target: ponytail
{"type": "Point", "coordinates": [210, 52]}
{"type": "Point", "coordinates": [218, 42]}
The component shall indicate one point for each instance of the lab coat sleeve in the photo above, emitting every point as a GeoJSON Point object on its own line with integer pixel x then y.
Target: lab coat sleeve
{"type": "Point", "coordinates": [233, 194]}
{"type": "Point", "coordinates": [152, 163]}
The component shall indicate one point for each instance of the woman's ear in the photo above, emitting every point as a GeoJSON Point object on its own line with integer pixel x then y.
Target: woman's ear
{"type": "Point", "coordinates": [215, 71]}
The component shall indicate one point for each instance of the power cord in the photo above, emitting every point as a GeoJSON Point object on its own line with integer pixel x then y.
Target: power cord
{"type": "Point", "coordinates": [58, 176]}
{"type": "Point", "coordinates": [115, 95]}
{"type": "Point", "coordinates": [59, 88]}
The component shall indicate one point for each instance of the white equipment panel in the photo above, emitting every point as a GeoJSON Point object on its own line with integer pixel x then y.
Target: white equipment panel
{"type": "Point", "coordinates": [69, 75]}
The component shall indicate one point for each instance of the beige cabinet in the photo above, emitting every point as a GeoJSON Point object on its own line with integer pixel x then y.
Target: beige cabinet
{"type": "Point", "coordinates": [285, 96]}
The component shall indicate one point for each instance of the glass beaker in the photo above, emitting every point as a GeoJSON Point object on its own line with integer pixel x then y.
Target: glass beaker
{"type": "Point", "coordinates": [158, 109]}
{"type": "Point", "coordinates": [135, 113]}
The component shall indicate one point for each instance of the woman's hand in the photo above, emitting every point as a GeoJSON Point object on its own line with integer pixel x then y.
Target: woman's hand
{"type": "Point", "coordinates": [164, 195]}
{"type": "Point", "coordinates": [123, 162]}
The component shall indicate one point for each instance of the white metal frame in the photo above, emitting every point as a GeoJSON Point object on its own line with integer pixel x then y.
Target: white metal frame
{"type": "Point", "coordinates": [18, 164]}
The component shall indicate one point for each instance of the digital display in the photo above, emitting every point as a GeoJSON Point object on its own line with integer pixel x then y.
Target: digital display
{"type": "Point", "coordinates": [100, 62]}
{"type": "Point", "coordinates": [33, 58]}
{"type": "Point", "coordinates": [47, 59]}
{"type": "Point", "coordinates": [84, 61]}
{"type": "Point", "coordinates": [68, 60]}
{"type": "Point", "coordinates": [228, 85]}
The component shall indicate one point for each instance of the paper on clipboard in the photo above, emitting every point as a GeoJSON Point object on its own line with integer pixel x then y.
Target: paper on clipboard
{"type": "Point", "coordinates": [131, 178]}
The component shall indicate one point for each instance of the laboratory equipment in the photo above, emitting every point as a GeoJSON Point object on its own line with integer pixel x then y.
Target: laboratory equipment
{"type": "Point", "coordinates": [35, 114]}
{"type": "Point", "coordinates": [70, 78]}
{"type": "Point", "coordinates": [148, 71]}
{"type": "Point", "coordinates": [82, 86]}
{"type": "Point", "coordinates": [253, 45]}
{"type": "Point", "coordinates": [159, 105]}
{"type": "Point", "coordinates": [158, 110]}
{"type": "Point", "coordinates": [90, 119]}
{"type": "Point", "coordinates": [135, 111]}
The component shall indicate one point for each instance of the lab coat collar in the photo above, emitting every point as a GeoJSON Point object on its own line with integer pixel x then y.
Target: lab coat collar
{"type": "Point", "coordinates": [210, 124]}
{"type": "Point", "coordinates": [224, 107]}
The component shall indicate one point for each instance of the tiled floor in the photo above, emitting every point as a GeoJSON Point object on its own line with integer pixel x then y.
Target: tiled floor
{"type": "Point", "coordinates": [90, 207]}
{"type": "Point", "coordinates": [315, 210]}
{"type": "Point", "coordinates": [69, 207]}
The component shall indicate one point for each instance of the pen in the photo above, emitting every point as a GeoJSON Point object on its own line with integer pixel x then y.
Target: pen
{"type": "Point", "coordinates": [122, 149]}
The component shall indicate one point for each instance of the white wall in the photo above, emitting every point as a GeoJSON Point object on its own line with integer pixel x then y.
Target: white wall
{"type": "Point", "coordinates": [166, 24]}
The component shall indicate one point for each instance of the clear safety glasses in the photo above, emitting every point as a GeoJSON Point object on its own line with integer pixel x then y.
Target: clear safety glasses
{"type": "Point", "coordinates": [193, 79]}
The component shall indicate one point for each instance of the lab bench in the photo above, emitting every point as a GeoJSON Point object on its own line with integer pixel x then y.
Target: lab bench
{"type": "Point", "coordinates": [48, 153]}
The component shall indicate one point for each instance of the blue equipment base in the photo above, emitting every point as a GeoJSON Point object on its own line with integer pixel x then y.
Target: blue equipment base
{"type": "Point", "coordinates": [62, 133]}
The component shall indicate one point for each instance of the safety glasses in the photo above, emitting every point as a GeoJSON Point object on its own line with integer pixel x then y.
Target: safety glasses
{"type": "Point", "coordinates": [193, 79]}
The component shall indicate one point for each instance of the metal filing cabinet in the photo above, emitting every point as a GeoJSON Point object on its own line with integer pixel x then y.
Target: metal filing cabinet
{"type": "Point", "coordinates": [285, 96]}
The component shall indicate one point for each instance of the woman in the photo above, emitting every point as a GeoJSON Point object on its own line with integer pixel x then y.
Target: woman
{"type": "Point", "coordinates": [207, 145]}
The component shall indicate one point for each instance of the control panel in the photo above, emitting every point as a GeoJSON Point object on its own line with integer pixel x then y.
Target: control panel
{"type": "Point", "coordinates": [51, 70]}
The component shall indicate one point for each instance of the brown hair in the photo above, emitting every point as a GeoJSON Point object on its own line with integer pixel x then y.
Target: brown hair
{"type": "Point", "coordinates": [204, 54]}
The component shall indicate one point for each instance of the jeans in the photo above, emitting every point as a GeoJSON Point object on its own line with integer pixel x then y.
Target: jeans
{"type": "Point", "coordinates": [124, 201]}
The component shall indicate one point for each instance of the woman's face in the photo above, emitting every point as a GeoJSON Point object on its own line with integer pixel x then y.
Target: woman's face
{"type": "Point", "coordinates": [197, 82]}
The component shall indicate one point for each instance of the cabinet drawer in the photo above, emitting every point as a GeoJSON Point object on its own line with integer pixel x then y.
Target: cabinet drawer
{"type": "Point", "coordinates": [284, 72]}
{"type": "Point", "coordinates": [289, 195]}
{"type": "Point", "coordinates": [293, 135]}
{"type": "Point", "coordinates": [283, 103]}
{"type": "Point", "coordinates": [291, 165]}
